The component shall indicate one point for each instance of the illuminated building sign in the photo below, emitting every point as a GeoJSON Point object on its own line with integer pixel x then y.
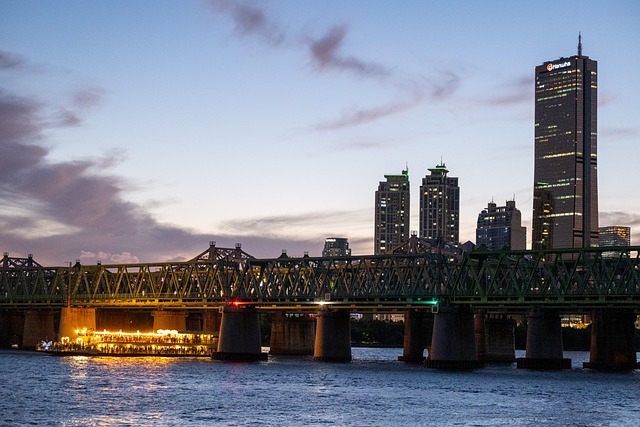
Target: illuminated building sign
{"type": "Point", "coordinates": [551, 67]}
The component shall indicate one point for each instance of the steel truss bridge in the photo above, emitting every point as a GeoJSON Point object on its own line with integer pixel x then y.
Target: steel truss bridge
{"type": "Point", "coordinates": [576, 279]}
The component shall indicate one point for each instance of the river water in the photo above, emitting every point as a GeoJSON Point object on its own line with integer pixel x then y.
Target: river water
{"type": "Point", "coordinates": [372, 390]}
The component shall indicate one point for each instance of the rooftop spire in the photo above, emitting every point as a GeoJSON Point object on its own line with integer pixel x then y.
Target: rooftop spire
{"type": "Point", "coordinates": [579, 44]}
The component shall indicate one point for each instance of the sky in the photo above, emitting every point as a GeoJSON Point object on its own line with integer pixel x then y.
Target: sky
{"type": "Point", "coordinates": [139, 131]}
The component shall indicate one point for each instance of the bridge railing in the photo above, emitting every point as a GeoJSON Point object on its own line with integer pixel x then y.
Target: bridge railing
{"type": "Point", "coordinates": [580, 277]}
{"type": "Point", "coordinates": [577, 276]}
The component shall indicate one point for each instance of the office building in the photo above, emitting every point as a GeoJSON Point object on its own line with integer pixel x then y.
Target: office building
{"type": "Point", "coordinates": [565, 194]}
{"type": "Point", "coordinates": [391, 212]}
{"type": "Point", "coordinates": [336, 246]}
{"type": "Point", "coordinates": [615, 235]}
{"type": "Point", "coordinates": [440, 207]}
{"type": "Point", "coordinates": [501, 226]}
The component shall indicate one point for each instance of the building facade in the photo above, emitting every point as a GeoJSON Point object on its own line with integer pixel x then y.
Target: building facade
{"type": "Point", "coordinates": [392, 212]}
{"type": "Point", "coordinates": [565, 194]}
{"type": "Point", "coordinates": [501, 226]}
{"type": "Point", "coordinates": [615, 235]}
{"type": "Point", "coordinates": [440, 207]}
{"type": "Point", "coordinates": [336, 246]}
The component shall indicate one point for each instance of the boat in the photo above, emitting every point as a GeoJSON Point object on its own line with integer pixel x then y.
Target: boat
{"type": "Point", "coordinates": [165, 343]}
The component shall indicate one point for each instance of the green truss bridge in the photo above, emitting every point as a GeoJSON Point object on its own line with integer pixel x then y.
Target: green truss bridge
{"type": "Point", "coordinates": [572, 279]}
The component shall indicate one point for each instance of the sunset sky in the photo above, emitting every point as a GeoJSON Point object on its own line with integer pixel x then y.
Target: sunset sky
{"type": "Point", "coordinates": [141, 130]}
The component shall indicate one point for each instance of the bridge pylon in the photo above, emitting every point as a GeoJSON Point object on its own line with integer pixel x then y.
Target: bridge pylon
{"type": "Point", "coordinates": [239, 337]}
{"type": "Point", "coordinates": [544, 342]}
{"type": "Point", "coordinates": [612, 341]}
{"type": "Point", "coordinates": [453, 345]}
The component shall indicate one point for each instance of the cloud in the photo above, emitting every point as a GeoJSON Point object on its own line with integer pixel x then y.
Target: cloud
{"type": "Point", "coordinates": [619, 133]}
{"type": "Point", "coordinates": [436, 89]}
{"type": "Point", "coordinates": [291, 224]}
{"type": "Point", "coordinates": [75, 209]}
{"type": "Point", "coordinates": [625, 219]}
{"type": "Point", "coordinates": [87, 97]}
{"type": "Point", "coordinates": [251, 20]}
{"type": "Point", "coordinates": [511, 93]}
{"type": "Point", "coordinates": [361, 116]}
{"type": "Point", "coordinates": [324, 51]}
{"type": "Point", "coordinates": [10, 60]}
{"type": "Point", "coordinates": [325, 54]}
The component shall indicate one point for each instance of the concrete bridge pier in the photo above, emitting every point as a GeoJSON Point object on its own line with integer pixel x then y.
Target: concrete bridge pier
{"type": "Point", "coordinates": [74, 319]}
{"type": "Point", "coordinates": [239, 337]}
{"type": "Point", "coordinates": [169, 319]}
{"type": "Point", "coordinates": [612, 341]}
{"type": "Point", "coordinates": [211, 321]}
{"type": "Point", "coordinates": [453, 345]}
{"type": "Point", "coordinates": [495, 338]}
{"type": "Point", "coordinates": [418, 328]}
{"type": "Point", "coordinates": [292, 335]}
{"type": "Point", "coordinates": [333, 336]}
{"type": "Point", "coordinates": [38, 326]}
{"type": "Point", "coordinates": [544, 342]}
{"type": "Point", "coordinates": [11, 328]}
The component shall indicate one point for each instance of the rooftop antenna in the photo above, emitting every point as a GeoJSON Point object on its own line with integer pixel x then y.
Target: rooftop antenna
{"type": "Point", "coordinates": [579, 44]}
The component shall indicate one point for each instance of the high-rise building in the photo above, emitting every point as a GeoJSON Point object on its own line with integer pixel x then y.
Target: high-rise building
{"type": "Point", "coordinates": [391, 212]}
{"type": "Point", "coordinates": [615, 235]}
{"type": "Point", "coordinates": [565, 190]}
{"type": "Point", "coordinates": [501, 226]}
{"type": "Point", "coordinates": [440, 206]}
{"type": "Point", "coordinates": [336, 246]}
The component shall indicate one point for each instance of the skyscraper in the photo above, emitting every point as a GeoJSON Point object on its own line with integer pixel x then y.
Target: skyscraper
{"type": "Point", "coordinates": [391, 212]}
{"type": "Point", "coordinates": [501, 226]}
{"type": "Point", "coordinates": [440, 206]}
{"type": "Point", "coordinates": [615, 235]}
{"type": "Point", "coordinates": [565, 189]}
{"type": "Point", "coordinates": [336, 246]}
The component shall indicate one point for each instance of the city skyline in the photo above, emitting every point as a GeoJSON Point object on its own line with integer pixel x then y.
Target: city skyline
{"type": "Point", "coordinates": [270, 123]}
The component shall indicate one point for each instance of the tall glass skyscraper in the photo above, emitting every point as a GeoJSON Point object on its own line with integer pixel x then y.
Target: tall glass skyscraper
{"type": "Point", "coordinates": [392, 212]}
{"type": "Point", "coordinates": [440, 206]}
{"type": "Point", "coordinates": [565, 190]}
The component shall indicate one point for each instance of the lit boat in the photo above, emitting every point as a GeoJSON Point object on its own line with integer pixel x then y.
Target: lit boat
{"type": "Point", "coordinates": [166, 343]}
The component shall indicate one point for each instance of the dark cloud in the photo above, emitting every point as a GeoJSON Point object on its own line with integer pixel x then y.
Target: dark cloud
{"type": "Point", "coordinates": [251, 20]}
{"type": "Point", "coordinates": [325, 53]}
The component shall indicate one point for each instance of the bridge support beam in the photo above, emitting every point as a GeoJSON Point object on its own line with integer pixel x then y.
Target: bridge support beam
{"type": "Point", "coordinates": [239, 337]}
{"type": "Point", "coordinates": [38, 326]}
{"type": "Point", "coordinates": [418, 328]}
{"type": "Point", "coordinates": [453, 345]}
{"type": "Point", "coordinates": [292, 335]}
{"type": "Point", "coordinates": [170, 319]}
{"type": "Point", "coordinates": [73, 319]}
{"type": "Point", "coordinates": [333, 336]}
{"type": "Point", "coordinates": [495, 338]}
{"type": "Point", "coordinates": [612, 341]}
{"type": "Point", "coordinates": [544, 342]}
